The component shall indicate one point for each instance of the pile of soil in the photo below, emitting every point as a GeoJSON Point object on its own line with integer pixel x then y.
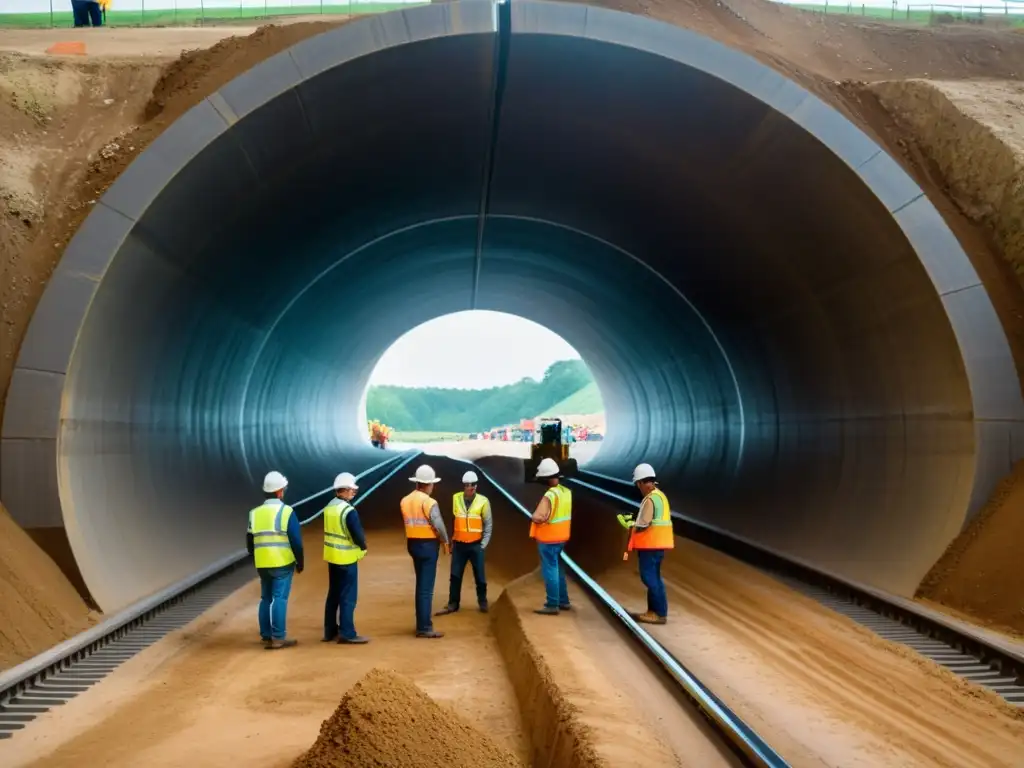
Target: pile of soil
{"type": "Point", "coordinates": [384, 719]}
{"type": "Point", "coordinates": [38, 606]}
{"type": "Point", "coordinates": [981, 574]}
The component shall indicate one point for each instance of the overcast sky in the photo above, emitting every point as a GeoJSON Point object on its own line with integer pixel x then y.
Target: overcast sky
{"type": "Point", "coordinates": [498, 349]}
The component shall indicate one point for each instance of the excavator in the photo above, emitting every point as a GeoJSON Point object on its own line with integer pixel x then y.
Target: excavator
{"type": "Point", "coordinates": [548, 444]}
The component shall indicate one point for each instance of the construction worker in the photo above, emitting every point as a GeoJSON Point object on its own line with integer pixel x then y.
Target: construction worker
{"type": "Point", "coordinates": [650, 534]}
{"type": "Point", "coordinates": [425, 535]}
{"type": "Point", "coordinates": [549, 526]}
{"type": "Point", "coordinates": [470, 537]}
{"type": "Point", "coordinates": [344, 547]}
{"type": "Point", "coordinates": [274, 540]}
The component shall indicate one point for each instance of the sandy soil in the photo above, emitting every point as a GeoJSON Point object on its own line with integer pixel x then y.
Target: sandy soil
{"type": "Point", "coordinates": [148, 43]}
{"type": "Point", "coordinates": [981, 574]}
{"type": "Point", "coordinates": [38, 606]}
{"type": "Point", "coordinates": [782, 661]}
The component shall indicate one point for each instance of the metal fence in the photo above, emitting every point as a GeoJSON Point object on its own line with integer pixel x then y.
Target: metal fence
{"type": "Point", "coordinates": [1010, 13]}
{"type": "Point", "coordinates": [27, 14]}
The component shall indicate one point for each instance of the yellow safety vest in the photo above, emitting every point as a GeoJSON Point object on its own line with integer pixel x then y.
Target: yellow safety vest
{"type": "Point", "coordinates": [469, 523]}
{"type": "Point", "coordinates": [557, 527]}
{"type": "Point", "coordinates": [338, 545]}
{"type": "Point", "coordinates": [268, 525]}
{"type": "Point", "coordinates": [660, 534]}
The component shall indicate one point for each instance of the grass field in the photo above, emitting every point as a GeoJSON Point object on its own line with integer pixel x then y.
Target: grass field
{"type": "Point", "coordinates": [427, 437]}
{"type": "Point", "coordinates": [191, 17]}
{"type": "Point", "coordinates": [923, 14]}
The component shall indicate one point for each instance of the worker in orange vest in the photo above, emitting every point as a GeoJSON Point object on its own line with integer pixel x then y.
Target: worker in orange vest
{"type": "Point", "coordinates": [549, 527]}
{"type": "Point", "coordinates": [425, 536]}
{"type": "Point", "coordinates": [650, 534]}
{"type": "Point", "coordinates": [471, 534]}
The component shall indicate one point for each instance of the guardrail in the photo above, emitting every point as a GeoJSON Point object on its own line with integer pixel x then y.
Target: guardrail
{"type": "Point", "coordinates": [743, 739]}
{"type": "Point", "coordinates": [26, 674]}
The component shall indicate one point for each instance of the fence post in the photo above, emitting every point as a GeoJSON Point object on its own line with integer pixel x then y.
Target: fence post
{"type": "Point", "coordinates": [51, 14]}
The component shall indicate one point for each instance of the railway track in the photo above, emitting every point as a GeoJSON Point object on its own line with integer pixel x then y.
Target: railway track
{"type": "Point", "coordinates": [975, 655]}
{"type": "Point", "coordinates": [740, 737]}
{"type": "Point", "coordinates": [60, 674]}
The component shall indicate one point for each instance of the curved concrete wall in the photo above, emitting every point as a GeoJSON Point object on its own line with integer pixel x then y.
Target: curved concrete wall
{"type": "Point", "coordinates": [778, 319]}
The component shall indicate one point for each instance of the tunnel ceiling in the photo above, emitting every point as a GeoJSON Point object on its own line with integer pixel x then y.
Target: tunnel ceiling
{"type": "Point", "coordinates": [778, 318]}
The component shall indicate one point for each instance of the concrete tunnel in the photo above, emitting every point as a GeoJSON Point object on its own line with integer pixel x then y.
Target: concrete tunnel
{"type": "Point", "coordinates": [777, 317]}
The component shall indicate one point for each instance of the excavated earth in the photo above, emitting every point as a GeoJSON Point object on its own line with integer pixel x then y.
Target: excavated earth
{"type": "Point", "coordinates": [945, 101]}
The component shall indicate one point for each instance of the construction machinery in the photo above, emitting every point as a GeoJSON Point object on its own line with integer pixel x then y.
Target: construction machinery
{"type": "Point", "coordinates": [548, 444]}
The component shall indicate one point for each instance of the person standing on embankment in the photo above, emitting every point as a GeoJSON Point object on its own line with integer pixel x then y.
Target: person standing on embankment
{"type": "Point", "coordinates": [344, 547]}
{"type": "Point", "coordinates": [274, 540]}
{"type": "Point", "coordinates": [470, 537]}
{"type": "Point", "coordinates": [650, 534]}
{"type": "Point", "coordinates": [550, 525]}
{"type": "Point", "coordinates": [425, 535]}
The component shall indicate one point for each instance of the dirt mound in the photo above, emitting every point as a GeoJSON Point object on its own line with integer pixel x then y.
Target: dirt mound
{"type": "Point", "coordinates": [982, 572]}
{"type": "Point", "coordinates": [384, 719]}
{"type": "Point", "coordinates": [38, 607]}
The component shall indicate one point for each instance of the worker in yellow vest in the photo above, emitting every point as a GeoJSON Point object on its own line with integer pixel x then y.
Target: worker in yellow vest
{"type": "Point", "coordinates": [470, 537]}
{"type": "Point", "coordinates": [650, 534]}
{"type": "Point", "coordinates": [274, 540]}
{"type": "Point", "coordinates": [344, 547]}
{"type": "Point", "coordinates": [550, 524]}
{"type": "Point", "coordinates": [425, 536]}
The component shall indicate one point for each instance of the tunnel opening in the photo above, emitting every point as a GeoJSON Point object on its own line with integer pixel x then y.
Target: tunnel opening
{"type": "Point", "coordinates": [476, 383]}
{"type": "Point", "coordinates": [780, 321]}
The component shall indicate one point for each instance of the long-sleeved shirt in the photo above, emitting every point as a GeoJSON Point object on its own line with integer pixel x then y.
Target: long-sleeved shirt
{"type": "Point", "coordinates": [355, 528]}
{"type": "Point", "coordinates": [294, 540]}
{"type": "Point", "coordinates": [438, 523]}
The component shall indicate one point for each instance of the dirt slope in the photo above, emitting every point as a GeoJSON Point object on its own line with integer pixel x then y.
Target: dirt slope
{"type": "Point", "coordinates": [38, 607]}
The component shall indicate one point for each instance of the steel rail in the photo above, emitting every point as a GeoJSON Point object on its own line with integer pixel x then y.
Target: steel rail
{"type": "Point", "coordinates": [984, 646]}
{"type": "Point", "coordinates": [29, 673]}
{"type": "Point", "coordinates": [741, 737]}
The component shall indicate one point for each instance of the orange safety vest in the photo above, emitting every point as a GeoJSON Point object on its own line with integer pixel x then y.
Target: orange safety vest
{"type": "Point", "coordinates": [469, 523]}
{"type": "Point", "coordinates": [416, 515]}
{"type": "Point", "coordinates": [556, 529]}
{"type": "Point", "coordinates": [659, 534]}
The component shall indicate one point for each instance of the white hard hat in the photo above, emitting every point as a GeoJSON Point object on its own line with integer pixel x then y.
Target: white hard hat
{"type": "Point", "coordinates": [643, 472]}
{"type": "Point", "coordinates": [274, 482]}
{"type": "Point", "coordinates": [547, 468]}
{"type": "Point", "coordinates": [345, 481]}
{"type": "Point", "coordinates": [425, 475]}
{"type": "Point", "coordinates": [470, 478]}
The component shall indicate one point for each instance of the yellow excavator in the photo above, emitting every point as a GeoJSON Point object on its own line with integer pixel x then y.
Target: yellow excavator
{"type": "Point", "coordinates": [548, 444]}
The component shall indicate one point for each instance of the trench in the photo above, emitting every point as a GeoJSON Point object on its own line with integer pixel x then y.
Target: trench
{"type": "Point", "coordinates": [777, 317]}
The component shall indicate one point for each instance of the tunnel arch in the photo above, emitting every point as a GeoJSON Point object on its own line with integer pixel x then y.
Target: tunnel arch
{"type": "Point", "coordinates": [835, 384]}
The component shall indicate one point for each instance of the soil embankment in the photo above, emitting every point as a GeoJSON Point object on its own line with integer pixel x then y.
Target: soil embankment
{"type": "Point", "coordinates": [38, 606]}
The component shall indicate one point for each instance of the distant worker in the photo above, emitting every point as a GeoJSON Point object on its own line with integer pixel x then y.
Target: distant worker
{"type": "Point", "coordinates": [550, 528]}
{"type": "Point", "coordinates": [425, 535]}
{"type": "Point", "coordinates": [274, 540]}
{"type": "Point", "coordinates": [650, 535]}
{"type": "Point", "coordinates": [88, 13]}
{"type": "Point", "coordinates": [344, 547]}
{"type": "Point", "coordinates": [470, 537]}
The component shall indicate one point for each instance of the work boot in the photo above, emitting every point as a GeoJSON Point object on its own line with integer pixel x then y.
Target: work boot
{"type": "Point", "coordinates": [330, 638]}
{"type": "Point", "coordinates": [288, 642]}
{"type": "Point", "coordinates": [448, 609]}
{"type": "Point", "coordinates": [649, 617]}
{"type": "Point", "coordinates": [265, 641]}
{"type": "Point", "coordinates": [547, 611]}
{"type": "Point", "coordinates": [565, 607]}
{"type": "Point", "coordinates": [430, 635]}
{"type": "Point", "coordinates": [483, 608]}
{"type": "Point", "coordinates": [357, 640]}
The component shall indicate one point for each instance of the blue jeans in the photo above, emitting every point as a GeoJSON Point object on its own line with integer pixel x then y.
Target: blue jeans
{"type": "Point", "coordinates": [650, 575]}
{"type": "Point", "coordinates": [424, 554]}
{"type": "Point", "coordinates": [342, 592]}
{"type": "Point", "coordinates": [553, 571]}
{"type": "Point", "coordinates": [275, 586]}
{"type": "Point", "coordinates": [463, 553]}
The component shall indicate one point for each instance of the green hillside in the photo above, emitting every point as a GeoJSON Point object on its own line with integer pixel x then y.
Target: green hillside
{"type": "Point", "coordinates": [585, 401]}
{"type": "Point", "coordinates": [473, 410]}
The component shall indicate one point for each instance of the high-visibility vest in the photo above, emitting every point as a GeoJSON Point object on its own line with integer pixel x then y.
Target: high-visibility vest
{"type": "Point", "coordinates": [659, 534]}
{"type": "Point", "coordinates": [556, 529]}
{"type": "Point", "coordinates": [416, 516]}
{"type": "Point", "coordinates": [469, 523]}
{"type": "Point", "coordinates": [268, 525]}
{"type": "Point", "coordinates": [338, 545]}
